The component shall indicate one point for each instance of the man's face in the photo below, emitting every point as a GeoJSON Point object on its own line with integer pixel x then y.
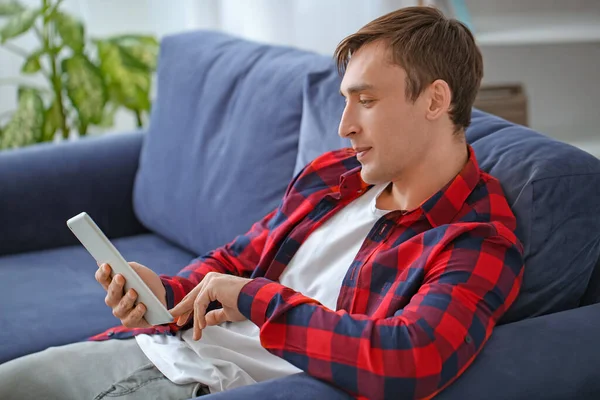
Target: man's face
{"type": "Point", "coordinates": [378, 116]}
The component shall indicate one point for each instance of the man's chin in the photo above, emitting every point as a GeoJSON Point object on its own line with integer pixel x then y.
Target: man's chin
{"type": "Point", "coordinates": [368, 177]}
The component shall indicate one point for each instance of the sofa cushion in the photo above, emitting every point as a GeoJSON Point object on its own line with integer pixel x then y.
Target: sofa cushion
{"type": "Point", "coordinates": [592, 294]}
{"type": "Point", "coordinates": [552, 187]}
{"type": "Point", "coordinates": [554, 190]}
{"type": "Point", "coordinates": [30, 322]}
{"type": "Point", "coordinates": [322, 107]}
{"type": "Point", "coordinates": [223, 137]}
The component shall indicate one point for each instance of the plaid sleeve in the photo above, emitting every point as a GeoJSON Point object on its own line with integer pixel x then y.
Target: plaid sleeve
{"type": "Point", "coordinates": [239, 257]}
{"type": "Point", "coordinates": [416, 352]}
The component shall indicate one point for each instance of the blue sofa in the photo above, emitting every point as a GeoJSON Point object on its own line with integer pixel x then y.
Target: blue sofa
{"type": "Point", "coordinates": [233, 122]}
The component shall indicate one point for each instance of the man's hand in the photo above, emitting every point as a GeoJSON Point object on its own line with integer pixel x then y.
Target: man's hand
{"type": "Point", "coordinates": [123, 305]}
{"type": "Point", "coordinates": [220, 287]}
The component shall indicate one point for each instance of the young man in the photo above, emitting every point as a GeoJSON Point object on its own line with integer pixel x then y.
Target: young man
{"type": "Point", "coordinates": [383, 271]}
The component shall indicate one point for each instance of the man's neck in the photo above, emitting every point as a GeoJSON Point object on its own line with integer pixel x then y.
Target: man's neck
{"type": "Point", "coordinates": [425, 179]}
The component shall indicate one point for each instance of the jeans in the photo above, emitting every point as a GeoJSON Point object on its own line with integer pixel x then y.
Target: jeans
{"type": "Point", "coordinates": [113, 369]}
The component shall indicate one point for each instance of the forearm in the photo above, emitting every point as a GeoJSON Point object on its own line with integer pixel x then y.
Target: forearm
{"type": "Point", "coordinates": [366, 356]}
{"type": "Point", "coordinates": [413, 343]}
{"type": "Point", "coordinates": [238, 257]}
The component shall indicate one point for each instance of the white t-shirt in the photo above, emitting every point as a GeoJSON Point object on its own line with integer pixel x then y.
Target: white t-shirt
{"type": "Point", "coordinates": [230, 354]}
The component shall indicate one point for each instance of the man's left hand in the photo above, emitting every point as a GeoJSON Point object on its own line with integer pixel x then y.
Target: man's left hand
{"type": "Point", "coordinates": [215, 286]}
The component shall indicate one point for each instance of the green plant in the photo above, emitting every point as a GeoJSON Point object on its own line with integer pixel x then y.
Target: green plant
{"type": "Point", "coordinates": [88, 79]}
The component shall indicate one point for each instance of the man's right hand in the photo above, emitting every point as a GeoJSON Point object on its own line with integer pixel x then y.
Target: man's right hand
{"type": "Point", "coordinates": [123, 305]}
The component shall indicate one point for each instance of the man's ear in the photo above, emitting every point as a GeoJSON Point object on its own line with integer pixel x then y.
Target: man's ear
{"type": "Point", "coordinates": [440, 98]}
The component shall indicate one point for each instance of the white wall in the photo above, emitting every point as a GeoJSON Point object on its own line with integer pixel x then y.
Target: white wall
{"type": "Point", "coordinates": [561, 80]}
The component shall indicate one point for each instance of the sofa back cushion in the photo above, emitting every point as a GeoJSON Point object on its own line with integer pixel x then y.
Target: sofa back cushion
{"type": "Point", "coordinates": [223, 137]}
{"type": "Point", "coordinates": [553, 189]}
{"type": "Point", "coordinates": [322, 108]}
{"type": "Point", "coordinates": [592, 294]}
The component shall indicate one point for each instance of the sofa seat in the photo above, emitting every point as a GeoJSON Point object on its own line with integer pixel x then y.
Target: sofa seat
{"type": "Point", "coordinates": [54, 298]}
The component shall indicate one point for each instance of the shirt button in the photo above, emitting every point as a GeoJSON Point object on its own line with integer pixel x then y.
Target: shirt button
{"type": "Point", "coordinates": [468, 339]}
{"type": "Point", "coordinates": [359, 191]}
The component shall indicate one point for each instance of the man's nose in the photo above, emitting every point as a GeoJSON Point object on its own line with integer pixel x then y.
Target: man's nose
{"type": "Point", "coordinates": [348, 124]}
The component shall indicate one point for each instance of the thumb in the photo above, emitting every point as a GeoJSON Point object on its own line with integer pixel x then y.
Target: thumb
{"type": "Point", "coordinates": [186, 305]}
{"type": "Point", "coordinates": [134, 265]}
{"type": "Point", "coordinates": [215, 317]}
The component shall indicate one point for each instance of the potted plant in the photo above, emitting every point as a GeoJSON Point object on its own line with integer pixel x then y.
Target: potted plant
{"type": "Point", "coordinates": [88, 79]}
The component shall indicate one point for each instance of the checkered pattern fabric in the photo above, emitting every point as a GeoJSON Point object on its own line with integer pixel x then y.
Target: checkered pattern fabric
{"type": "Point", "coordinates": [418, 302]}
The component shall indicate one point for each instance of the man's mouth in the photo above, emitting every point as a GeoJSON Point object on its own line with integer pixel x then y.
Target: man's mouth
{"type": "Point", "coordinates": [360, 154]}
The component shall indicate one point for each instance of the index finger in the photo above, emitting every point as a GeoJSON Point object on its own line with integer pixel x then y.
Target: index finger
{"type": "Point", "coordinates": [103, 275]}
{"type": "Point", "coordinates": [200, 306]}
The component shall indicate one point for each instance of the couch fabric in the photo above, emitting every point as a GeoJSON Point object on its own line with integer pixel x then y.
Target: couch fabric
{"type": "Point", "coordinates": [233, 121]}
{"type": "Point", "coordinates": [56, 299]}
{"type": "Point", "coordinates": [42, 186]}
{"type": "Point", "coordinates": [223, 137]}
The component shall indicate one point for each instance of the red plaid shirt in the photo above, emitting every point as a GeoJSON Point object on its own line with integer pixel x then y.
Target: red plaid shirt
{"type": "Point", "coordinates": [417, 304]}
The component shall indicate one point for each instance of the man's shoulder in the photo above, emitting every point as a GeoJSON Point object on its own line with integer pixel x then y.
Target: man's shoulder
{"type": "Point", "coordinates": [488, 206]}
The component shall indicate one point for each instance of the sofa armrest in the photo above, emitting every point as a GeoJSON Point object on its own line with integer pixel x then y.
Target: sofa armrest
{"type": "Point", "coordinates": [299, 386]}
{"type": "Point", "coordinates": [555, 356]}
{"type": "Point", "coordinates": [42, 186]}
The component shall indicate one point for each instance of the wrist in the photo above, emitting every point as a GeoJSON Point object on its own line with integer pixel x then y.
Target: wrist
{"type": "Point", "coordinates": [167, 296]}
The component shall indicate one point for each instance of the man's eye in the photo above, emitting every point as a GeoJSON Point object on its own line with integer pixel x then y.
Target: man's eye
{"type": "Point", "coordinates": [365, 102]}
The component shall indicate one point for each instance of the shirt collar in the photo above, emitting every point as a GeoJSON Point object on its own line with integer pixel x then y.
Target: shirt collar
{"type": "Point", "coordinates": [439, 209]}
{"type": "Point", "coordinates": [442, 207]}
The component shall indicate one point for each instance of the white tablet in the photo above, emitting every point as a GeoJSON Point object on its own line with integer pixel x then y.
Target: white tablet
{"type": "Point", "coordinates": [103, 251]}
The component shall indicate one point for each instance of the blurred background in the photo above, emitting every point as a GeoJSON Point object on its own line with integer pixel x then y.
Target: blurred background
{"type": "Point", "coordinates": [541, 56]}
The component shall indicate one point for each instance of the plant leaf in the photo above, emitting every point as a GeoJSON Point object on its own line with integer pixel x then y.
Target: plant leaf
{"type": "Point", "coordinates": [124, 39]}
{"type": "Point", "coordinates": [85, 87]}
{"type": "Point", "coordinates": [70, 30]}
{"type": "Point", "coordinates": [27, 122]}
{"type": "Point", "coordinates": [18, 24]}
{"type": "Point", "coordinates": [10, 8]}
{"type": "Point", "coordinates": [142, 60]}
{"type": "Point", "coordinates": [52, 122]}
{"type": "Point", "coordinates": [32, 63]}
{"type": "Point", "coordinates": [132, 91]}
{"type": "Point", "coordinates": [142, 49]}
{"type": "Point", "coordinates": [108, 118]}
{"type": "Point", "coordinates": [128, 87]}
